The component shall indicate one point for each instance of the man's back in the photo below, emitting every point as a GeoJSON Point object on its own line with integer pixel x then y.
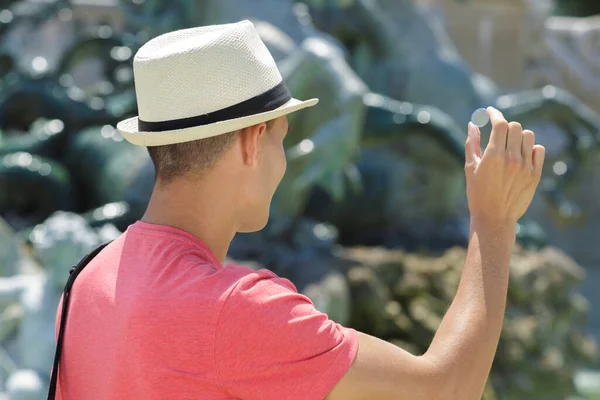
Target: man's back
{"type": "Point", "coordinates": [155, 316]}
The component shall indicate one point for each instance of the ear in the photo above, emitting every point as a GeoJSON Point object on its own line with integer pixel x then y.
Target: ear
{"type": "Point", "coordinates": [250, 139]}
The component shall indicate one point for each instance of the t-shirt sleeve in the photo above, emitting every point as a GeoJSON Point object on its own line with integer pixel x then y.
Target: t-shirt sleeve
{"type": "Point", "coordinates": [271, 343]}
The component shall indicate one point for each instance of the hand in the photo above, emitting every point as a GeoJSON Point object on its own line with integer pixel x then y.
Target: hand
{"type": "Point", "coordinates": [502, 182]}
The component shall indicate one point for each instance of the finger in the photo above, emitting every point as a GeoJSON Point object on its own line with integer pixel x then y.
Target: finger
{"type": "Point", "coordinates": [527, 148]}
{"type": "Point", "coordinates": [514, 142]}
{"type": "Point", "coordinates": [477, 141]}
{"type": "Point", "coordinates": [472, 145]}
{"type": "Point", "coordinates": [499, 129]}
{"type": "Point", "coordinates": [539, 154]}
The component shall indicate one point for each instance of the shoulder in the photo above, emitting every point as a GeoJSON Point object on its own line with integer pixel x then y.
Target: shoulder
{"type": "Point", "coordinates": [246, 290]}
{"type": "Point", "coordinates": [249, 281]}
{"type": "Point", "coordinates": [264, 303]}
{"type": "Point", "coordinates": [271, 340]}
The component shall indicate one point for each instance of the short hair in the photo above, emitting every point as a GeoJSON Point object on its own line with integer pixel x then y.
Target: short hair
{"type": "Point", "coordinates": [197, 156]}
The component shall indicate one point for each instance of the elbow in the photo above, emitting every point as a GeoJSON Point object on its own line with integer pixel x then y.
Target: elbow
{"type": "Point", "coordinates": [447, 383]}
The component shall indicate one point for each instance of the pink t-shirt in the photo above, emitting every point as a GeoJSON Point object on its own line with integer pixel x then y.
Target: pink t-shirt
{"type": "Point", "coordinates": [155, 316]}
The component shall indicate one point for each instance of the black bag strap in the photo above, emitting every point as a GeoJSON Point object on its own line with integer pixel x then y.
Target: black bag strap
{"type": "Point", "coordinates": [75, 271]}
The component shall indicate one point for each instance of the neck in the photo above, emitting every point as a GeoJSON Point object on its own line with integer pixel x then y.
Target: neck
{"type": "Point", "coordinates": [197, 206]}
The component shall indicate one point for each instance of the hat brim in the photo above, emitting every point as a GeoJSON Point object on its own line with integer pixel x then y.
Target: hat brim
{"type": "Point", "coordinates": [129, 127]}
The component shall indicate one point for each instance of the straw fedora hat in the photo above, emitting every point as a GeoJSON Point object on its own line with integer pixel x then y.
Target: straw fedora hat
{"type": "Point", "coordinates": [201, 82]}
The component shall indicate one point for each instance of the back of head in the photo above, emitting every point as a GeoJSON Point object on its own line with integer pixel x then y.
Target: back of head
{"type": "Point", "coordinates": [194, 158]}
{"type": "Point", "coordinates": [209, 102]}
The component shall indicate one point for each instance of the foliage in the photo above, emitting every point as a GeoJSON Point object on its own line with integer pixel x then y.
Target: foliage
{"type": "Point", "coordinates": [577, 8]}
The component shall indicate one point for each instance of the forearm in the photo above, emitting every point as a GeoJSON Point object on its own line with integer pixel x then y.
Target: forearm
{"type": "Point", "coordinates": [467, 339]}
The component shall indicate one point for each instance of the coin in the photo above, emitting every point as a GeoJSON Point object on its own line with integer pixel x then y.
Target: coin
{"type": "Point", "coordinates": [480, 118]}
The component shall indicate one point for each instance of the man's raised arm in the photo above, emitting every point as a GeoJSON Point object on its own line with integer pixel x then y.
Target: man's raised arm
{"type": "Point", "coordinates": [500, 186]}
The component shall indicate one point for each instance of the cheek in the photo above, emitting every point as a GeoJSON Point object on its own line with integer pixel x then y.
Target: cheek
{"type": "Point", "coordinates": [278, 160]}
{"type": "Point", "coordinates": [273, 167]}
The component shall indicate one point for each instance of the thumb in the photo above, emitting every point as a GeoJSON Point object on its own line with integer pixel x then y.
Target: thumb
{"type": "Point", "coordinates": [472, 146]}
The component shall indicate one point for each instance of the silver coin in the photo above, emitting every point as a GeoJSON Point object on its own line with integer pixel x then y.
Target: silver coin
{"type": "Point", "coordinates": [480, 118]}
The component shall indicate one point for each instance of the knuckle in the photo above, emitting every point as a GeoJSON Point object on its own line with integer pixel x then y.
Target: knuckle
{"type": "Point", "coordinates": [470, 168]}
{"type": "Point", "coordinates": [529, 169]}
{"type": "Point", "coordinates": [515, 126]}
{"type": "Point", "coordinates": [529, 134]}
{"type": "Point", "coordinates": [513, 160]}
{"type": "Point", "coordinates": [494, 154]}
{"type": "Point", "coordinates": [526, 169]}
{"type": "Point", "coordinates": [501, 126]}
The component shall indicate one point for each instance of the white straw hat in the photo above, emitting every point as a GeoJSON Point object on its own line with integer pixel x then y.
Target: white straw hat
{"type": "Point", "coordinates": [202, 82]}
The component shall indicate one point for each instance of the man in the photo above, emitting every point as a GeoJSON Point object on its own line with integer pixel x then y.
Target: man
{"type": "Point", "coordinates": [156, 314]}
